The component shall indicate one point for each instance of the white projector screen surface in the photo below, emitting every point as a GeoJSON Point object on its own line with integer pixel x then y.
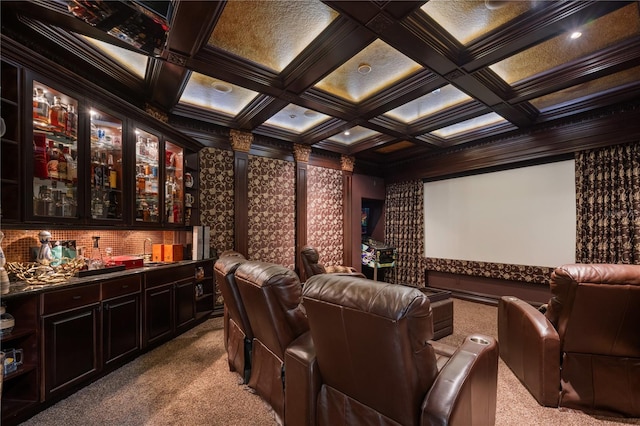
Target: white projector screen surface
{"type": "Point", "coordinates": [524, 216]}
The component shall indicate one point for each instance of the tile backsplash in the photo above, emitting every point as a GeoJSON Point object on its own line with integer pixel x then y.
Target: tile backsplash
{"type": "Point", "coordinates": [17, 243]}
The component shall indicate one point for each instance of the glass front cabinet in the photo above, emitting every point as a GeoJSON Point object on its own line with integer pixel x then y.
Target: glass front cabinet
{"type": "Point", "coordinates": [90, 165]}
{"type": "Point", "coordinates": [55, 154]}
{"type": "Point", "coordinates": [174, 183]}
{"type": "Point", "coordinates": [147, 177]}
{"type": "Point", "coordinates": [106, 153]}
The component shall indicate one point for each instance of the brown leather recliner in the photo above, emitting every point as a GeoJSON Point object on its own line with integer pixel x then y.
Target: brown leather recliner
{"type": "Point", "coordinates": [584, 351]}
{"type": "Point", "coordinates": [238, 336]}
{"type": "Point", "coordinates": [271, 295]}
{"type": "Point", "coordinates": [311, 266]}
{"type": "Point", "coordinates": [372, 362]}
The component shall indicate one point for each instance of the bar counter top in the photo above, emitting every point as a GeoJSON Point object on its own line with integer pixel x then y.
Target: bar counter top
{"type": "Point", "coordinates": [19, 288]}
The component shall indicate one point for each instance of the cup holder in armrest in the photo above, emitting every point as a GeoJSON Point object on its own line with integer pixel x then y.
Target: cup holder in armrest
{"type": "Point", "coordinates": [479, 340]}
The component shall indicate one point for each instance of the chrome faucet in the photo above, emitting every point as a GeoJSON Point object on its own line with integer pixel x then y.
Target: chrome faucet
{"type": "Point", "coordinates": [146, 257]}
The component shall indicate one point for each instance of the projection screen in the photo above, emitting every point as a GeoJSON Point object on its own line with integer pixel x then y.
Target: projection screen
{"type": "Point", "coordinates": [524, 216]}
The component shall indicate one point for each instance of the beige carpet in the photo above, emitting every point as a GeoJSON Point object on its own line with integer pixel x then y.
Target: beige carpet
{"type": "Point", "coordinates": [187, 382]}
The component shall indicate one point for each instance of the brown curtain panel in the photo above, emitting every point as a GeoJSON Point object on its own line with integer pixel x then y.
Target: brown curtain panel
{"type": "Point", "coordinates": [608, 205]}
{"type": "Point", "coordinates": [404, 230]}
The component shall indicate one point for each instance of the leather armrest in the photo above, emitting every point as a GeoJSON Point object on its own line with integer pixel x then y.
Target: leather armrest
{"type": "Point", "coordinates": [465, 390]}
{"type": "Point", "coordinates": [302, 381]}
{"type": "Point", "coordinates": [530, 346]}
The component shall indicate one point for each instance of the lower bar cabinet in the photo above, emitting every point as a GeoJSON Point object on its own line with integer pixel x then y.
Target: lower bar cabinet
{"type": "Point", "coordinates": [70, 324]}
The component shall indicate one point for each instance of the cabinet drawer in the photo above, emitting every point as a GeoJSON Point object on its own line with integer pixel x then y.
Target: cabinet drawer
{"type": "Point", "coordinates": [162, 276]}
{"type": "Point", "coordinates": [120, 287]}
{"type": "Point", "coordinates": [62, 300]}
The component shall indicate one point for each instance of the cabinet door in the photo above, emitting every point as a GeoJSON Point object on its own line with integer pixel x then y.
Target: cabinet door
{"type": "Point", "coordinates": [106, 201]}
{"type": "Point", "coordinates": [159, 313]}
{"type": "Point", "coordinates": [120, 327]}
{"type": "Point", "coordinates": [54, 168]}
{"type": "Point", "coordinates": [71, 344]}
{"type": "Point", "coordinates": [147, 177]}
{"type": "Point", "coordinates": [174, 184]}
{"type": "Point", "coordinates": [10, 146]}
{"type": "Point", "coordinates": [185, 302]}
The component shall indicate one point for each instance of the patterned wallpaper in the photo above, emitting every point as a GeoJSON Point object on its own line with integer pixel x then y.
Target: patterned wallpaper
{"type": "Point", "coordinates": [524, 273]}
{"type": "Point", "coordinates": [217, 196]}
{"type": "Point", "coordinates": [272, 207]}
{"type": "Point", "coordinates": [325, 213]}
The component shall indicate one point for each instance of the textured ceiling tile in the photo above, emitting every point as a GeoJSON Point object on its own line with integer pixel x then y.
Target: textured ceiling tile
{"type": "Point", "coordinates": [598, 34]}
{"type": "Point", "coordinates": [270, 33]}
{"type": "Point", "coordinates": [296, 119]}
{"type": "Point", "coordinates": [213, 94]}
{"type": "Point", "coordinates": [469, 125]}
{"type": "Point", "coordinates": [356, 134]}
{"type": "Point", "coordinates": [387, 67]}
{"type": "Point", "coordinates": [438, 100]}
{"type": "Point", "coordinates": [467, 20]}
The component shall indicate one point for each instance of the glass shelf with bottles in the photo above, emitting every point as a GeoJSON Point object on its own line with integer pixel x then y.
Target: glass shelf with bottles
{"type": "Point", "coordinates": [174, 187]}
{"type": "Point", "coordinates": [106, 166]}
{"type": "Point", "coordinates": [147, 177]}
{"type": "Point", "coordinates": [55, 162]}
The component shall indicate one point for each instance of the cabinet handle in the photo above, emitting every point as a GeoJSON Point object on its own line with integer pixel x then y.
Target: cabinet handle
{"type": "Point", "coordinates": [77, 297]}
{"type": "Point", "coordinates": [125, 286]}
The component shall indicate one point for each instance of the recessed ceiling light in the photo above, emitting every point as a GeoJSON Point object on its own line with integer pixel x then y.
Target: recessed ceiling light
{"type": "Point", "coordinates": [347, 133]}
{"type": "Point", "coordinates": [292, 116]}
{"type": "Point", "coordinates": [364, 69]}
{"type": "Point", "coordinates": [310, 114]}
{"type": "Point", "coordinates": [575, 35]}
{"type": "Point", "coordinates": [221, 87]}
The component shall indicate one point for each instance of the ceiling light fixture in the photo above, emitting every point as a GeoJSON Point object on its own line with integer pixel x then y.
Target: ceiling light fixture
{"type": "Point", "coordinates": [310, 114]}
{"type": "Point", "coordinates": [221, 87]}
{"type": "Point", "coordinates": [576, 34]}
{"type": "Point", "coordinates": [364, 69]}
{"type": "Point", "coordinates": [292, 116]}
{"type": "Point", "coordinates": [347, 133]}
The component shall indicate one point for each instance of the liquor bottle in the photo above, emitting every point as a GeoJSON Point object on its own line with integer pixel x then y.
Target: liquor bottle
{"type": "Point", "coordinates": [140, 182]}
{"type": "Point", "coordinates": [40, 158]}
{"type": "Point", "coordinates": [97, 204]}
{"type": "Point", "coordinates": [72, 165]}
{"type": "Point", "coordinates": [40, 106]}
{"type": "Point", "coordinates": [98, 176]}
{"type": "Point", "coordinates": [62, 163]}
{"type": "Point", "coordinates": [112, 210]}
{"type": "Point", "coordinates": [95, 260]}
{"type": "Point", "coordinates": [57, 115]}
{"type": "Point", "coordinates": [71, 128]}
{"type": "Point", "coordinates": [52, 164]}
{"type": "Point", "coordinates": [113, 174]}
{"type": "Point", "coordinates": [105, 170]}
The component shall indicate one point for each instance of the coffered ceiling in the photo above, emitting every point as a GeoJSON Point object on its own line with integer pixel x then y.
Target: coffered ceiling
{"type": "Point", "coordinates": [384, 81]}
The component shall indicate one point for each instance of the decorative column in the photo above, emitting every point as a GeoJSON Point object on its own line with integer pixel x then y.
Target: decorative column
{"type": "Point", "coordinates": [241, 144]}
{"type": "Point", "coordinates": [347, 162]}
{"type": "Point", "coordinates": [301, 155]}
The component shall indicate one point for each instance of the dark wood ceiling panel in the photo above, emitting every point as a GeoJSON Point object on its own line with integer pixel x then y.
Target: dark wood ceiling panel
{"type": "Point", "coordinates": [575, 85]}
{"type": "Point", "coordinates": [336, 45]}
{"type": "Point", "coordinates": [542, 23]}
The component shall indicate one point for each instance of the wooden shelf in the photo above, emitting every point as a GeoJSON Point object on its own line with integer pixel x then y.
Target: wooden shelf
{"type": "Point", "coordinates": [17, 333]}
{"type": "Point", "coordinates": [11, 407]}
{"type": "Point", "coordinates": [22, 369]}
{"type": "Point", "coordinates": [204, 296]}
